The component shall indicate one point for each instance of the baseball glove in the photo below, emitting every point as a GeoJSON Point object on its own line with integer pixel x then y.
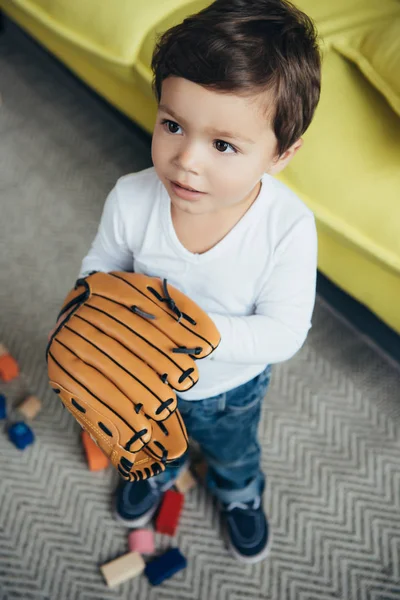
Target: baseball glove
{"type": "Point", "coordinates": [126, 343]}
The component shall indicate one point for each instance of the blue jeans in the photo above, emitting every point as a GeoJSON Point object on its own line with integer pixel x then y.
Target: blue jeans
{"type": "Point", "coordinates": [226, 427]}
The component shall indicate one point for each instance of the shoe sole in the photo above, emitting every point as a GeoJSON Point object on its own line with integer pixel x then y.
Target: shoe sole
{"type": "Point", "coordinates": [136, 523]}
{"type": "Point", "coordinates": [146, 517]}
{"type": "Point", "coordinates": [248, 560]}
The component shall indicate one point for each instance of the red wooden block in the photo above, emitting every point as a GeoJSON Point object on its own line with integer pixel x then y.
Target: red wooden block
{"type": "Point", "coordinates": [168, 517]}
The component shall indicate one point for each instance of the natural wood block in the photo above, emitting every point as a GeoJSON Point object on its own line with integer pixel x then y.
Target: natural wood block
{"type": "Point", "coordinates": [185, 482]}
{"type": "Point", "coordinates": [123, 568]}
{"type": "Point", "coordinates": [30, 407]}
{"type": "Point", "coordinates": [3, 350]}
{"type": "Point", "coordinates": [96, 459]}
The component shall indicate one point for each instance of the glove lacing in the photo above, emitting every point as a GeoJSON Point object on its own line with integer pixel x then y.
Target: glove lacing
{"type": "Point", "coordinates": [181, 315]}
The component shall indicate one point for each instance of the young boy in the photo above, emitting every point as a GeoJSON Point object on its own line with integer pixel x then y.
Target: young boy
{"type": "Point", "coordinates": [237, 85]}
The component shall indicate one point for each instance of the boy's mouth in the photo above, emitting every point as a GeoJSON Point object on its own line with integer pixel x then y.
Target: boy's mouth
{"type": "Point", "coordinates": [186, 187]}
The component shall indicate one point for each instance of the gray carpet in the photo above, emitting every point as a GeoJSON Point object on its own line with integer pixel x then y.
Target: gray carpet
{"type": "Point", "coordinates": [330, 430]}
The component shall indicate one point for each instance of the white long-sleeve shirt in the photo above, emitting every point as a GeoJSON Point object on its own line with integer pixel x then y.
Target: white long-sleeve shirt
{"type": "Point", "coordinates": [257, 283]}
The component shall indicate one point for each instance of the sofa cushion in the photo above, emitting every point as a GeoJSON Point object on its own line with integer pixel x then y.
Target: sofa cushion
{"type": "Point", "coordinates": [174, 17]}
{"type": "Point", "coordinates": [348, 169]}
{"type": "Point", "coordinates": [112, 29]}
{"type": "Point", "coordinates": [377, 54]}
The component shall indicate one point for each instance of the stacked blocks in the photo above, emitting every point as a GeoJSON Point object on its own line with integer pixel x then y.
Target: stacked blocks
{"type": "Point", "coordinates": [8, 365]}
{"type": "Point", "coordinates": [165, 566]}
{"type": "Point", "coordinates": [168, 517]}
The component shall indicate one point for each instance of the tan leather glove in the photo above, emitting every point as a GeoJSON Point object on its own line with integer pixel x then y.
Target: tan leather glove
{"type": "Point", "coordinates": [127, 342]}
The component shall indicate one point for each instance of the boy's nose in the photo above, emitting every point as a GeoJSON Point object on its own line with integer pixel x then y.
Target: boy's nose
{"type": "Point", "coordinates": [188, 159]}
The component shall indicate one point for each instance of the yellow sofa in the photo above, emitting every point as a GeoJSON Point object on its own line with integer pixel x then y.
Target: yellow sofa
{"type": "Point", "coordinates": [348, 170]}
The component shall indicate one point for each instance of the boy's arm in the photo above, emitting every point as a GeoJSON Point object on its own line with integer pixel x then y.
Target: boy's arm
{"type": "Point", "coordinates": [109, 250]}
{"type": "Point", "coordinates": [284, 307]}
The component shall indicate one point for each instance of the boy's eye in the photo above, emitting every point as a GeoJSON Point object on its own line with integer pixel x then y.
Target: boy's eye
{"type": "Point", "coordinates": [221, 146]}
{"type": "Point", "coordinates": [171, 125]}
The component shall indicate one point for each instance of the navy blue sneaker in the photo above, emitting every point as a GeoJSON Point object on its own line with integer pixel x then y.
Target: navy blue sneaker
{"type": "Point", "coordinates": [247, 529]}
{"type": "Point", "coordinates": [136, 503]}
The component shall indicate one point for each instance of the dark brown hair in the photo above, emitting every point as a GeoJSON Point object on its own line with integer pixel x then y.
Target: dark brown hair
{"type": "Point", "coordinates": [246, 47]}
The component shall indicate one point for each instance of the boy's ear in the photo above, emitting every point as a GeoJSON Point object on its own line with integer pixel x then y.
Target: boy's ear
{"type": "Point", "coordinates": [280, 162]}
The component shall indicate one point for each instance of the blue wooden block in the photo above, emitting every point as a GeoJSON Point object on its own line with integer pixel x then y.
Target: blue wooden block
{"type": "Point", "coordinates": [165, 566]}
{"type": "Point", "coordinates": [21, 435]}
{"type": "Point", "coordinates": [3, 407]}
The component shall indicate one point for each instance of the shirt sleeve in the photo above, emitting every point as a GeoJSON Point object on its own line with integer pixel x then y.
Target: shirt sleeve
{"type": "Point", "coordinates": [283, 310]}
{"type": "Point", "coordinates": [109, 250]}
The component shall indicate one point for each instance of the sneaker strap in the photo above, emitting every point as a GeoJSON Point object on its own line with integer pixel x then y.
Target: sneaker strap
{"type": "Point", "coordinates": [252, 505]}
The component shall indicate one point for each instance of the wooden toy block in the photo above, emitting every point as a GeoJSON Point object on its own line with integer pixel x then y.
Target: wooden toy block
{"type": "Point", "coordinates": [21, 435]}
{"type": "Point", "coordinates": [30, 407]}
{"type": "Point", "coordinates": [8, 365]}
{"type": "Point", "coordinates": [142, 541]}
{"type": "Point", "coordinates": [123, 568]}
{"type": "Point", "coordinates": [3, 407]}
{"type": "Point", "coordinates": [165, 566]}
{"type": "Point", "coordinates": [168, 516]}
{"type": "Point", "coordinates": [185, 482]}
{"type": "Point", "coordinates": [96, 459]}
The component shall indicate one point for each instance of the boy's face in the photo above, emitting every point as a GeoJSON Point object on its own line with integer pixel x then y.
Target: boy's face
{"type": "Point", "coordinates": [218, 144]}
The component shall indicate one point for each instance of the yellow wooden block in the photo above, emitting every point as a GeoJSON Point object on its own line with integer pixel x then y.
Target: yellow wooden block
{"type": "Point", "coordinates": [123, 568]}
{"type": "Point", "coordinates": [185, 482]}
{"type": "Point", "coordinates": [30, 407]}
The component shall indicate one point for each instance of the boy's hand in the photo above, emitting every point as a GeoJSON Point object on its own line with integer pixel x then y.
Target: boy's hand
{"type": "Point", "coordinates": [125, 342]}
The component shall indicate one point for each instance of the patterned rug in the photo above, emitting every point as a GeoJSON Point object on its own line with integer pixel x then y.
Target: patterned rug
{"type": "Point", "coordinates": [331, 420]}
